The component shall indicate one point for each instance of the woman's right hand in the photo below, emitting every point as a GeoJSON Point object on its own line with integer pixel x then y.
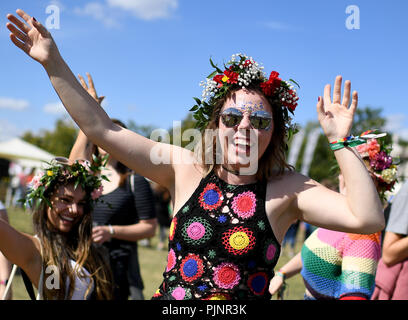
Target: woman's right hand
{"type": "Point", "coordinates": [32, 37]}
{"type": "Point", "coordinates": [275, 284]}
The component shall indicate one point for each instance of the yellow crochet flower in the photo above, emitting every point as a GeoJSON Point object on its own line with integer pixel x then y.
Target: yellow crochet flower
{"type": "Point", "coordinates": [50, 173]}
{"type": "Point", "coordinates": [239, 240]}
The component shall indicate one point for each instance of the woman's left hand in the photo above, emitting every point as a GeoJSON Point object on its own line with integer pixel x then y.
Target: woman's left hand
{"type": "Point", "coordinates": [101, 234]}
{"type": "Point", "coordinates": [336, 117]}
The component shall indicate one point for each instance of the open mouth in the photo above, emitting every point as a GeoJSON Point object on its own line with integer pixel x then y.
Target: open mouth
{"type": "Point", "coordinates": [67, 218]}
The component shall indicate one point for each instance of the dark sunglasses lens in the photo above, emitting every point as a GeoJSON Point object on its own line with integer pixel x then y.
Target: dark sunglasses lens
{"type": "Point", "coordinates": [260, 122]}
{"type": "Point", "coordinates": [231, 120]}
{"type": "Point", "coordinates": [231, 117]}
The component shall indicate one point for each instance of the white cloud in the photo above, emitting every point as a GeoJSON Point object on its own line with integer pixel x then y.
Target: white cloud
{"type": "Point", "coordinates": [56, 108]}
{"type": "Point", "coordinates": [99, 12]}
{"type": "Point", "coordinates": [13, 104]}
{"type": "Point", "coordinates": [146, 9]}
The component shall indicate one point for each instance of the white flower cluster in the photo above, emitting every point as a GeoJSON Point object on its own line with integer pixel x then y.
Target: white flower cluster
{"type": "Point", "coordinates": [251, 70]}
{"type": "Point", "coordinates": [210, 88]}
{"type": "Point", "coordinates": [287, 96]}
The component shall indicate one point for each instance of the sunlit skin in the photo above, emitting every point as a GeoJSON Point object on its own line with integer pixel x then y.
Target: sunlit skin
{"type": "Point", "coordinates": [239, 145]}
{"type": "Point", "coordinates": [67, 207]}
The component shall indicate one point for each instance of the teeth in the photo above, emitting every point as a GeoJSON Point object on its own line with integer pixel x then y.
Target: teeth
{"type": "Point", "coordinates": [67, 218]}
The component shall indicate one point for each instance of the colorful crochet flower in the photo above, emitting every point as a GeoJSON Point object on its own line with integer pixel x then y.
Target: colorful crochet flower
{"type": "Point", "coordinates": [258, 282]}
{"type": "Point", "coordinates": [211, 197]}
{"type": "Point", "coordinates": [171, 260]}
{"type": "Point", "coordinates": [172, 230]}
{"type": "Point", "coordinates": [269, 252]}
{"type": "Point", "coordinates": [238, 240]}
{"type": "Point", "coordinates": [226, 275]}
{"type": "Point", "coordinates": [191, 267]}
{"type": "Point", "coordinates": [180, 293]}
{"type": "Point", "coordinates": [197, 231]}
{"type": "Point", "coordinates": [244, 204]}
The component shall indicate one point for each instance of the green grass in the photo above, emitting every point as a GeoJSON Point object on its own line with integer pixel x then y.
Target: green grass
{"type": "Point", "coordinates": [152, 263]}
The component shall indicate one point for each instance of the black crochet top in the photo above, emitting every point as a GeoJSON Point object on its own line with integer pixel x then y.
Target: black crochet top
{"type": "Point", "coordinates": [221, 245]}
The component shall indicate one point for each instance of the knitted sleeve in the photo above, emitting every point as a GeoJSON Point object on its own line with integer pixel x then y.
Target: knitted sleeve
{"type": "Point", "coordinates": [361, 254]}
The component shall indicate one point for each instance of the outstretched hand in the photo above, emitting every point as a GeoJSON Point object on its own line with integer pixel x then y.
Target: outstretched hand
{"type": "Point", "coordinates": [31, 37]}
{"type": "Point", "coordinates": [91, 89]}
{"type": "Point", "coordinates": [335, 116]}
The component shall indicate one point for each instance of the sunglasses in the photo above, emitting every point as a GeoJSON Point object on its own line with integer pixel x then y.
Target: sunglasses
{"type": "Point", "coordinates": [259, 119]}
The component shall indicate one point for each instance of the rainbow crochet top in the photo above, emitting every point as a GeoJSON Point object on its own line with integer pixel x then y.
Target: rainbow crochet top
{"type": "Point", "coordinates": [221, 245]}
{"type": "Point", "coordinates": [338, 264]}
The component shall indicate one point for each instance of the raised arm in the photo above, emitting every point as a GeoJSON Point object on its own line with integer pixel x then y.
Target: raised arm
{"type": "Point", "coordinates": [21, 249]}
{"type": "Point", "coordinates": [126, 146]}
{"type": "Point", "coordinates": [360, 211]}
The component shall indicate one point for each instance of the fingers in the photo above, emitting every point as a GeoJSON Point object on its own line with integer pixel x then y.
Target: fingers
{"type": "Point", "coordinates": [90, 81]}
{"type": "Point", "coordinates": [327, 93]}
{"type": "Point", "coordinates": [337, 90]}
{"type": "Point", "coordinates": [320, 107]}
{"type": "Point", "coordinates": [18, 43]}
{"type": "Point", "coordinates": [40, 28]}
{"type": "Point", "coordinates": [21, 25]}
{"type": "Point", "coordinates": [17, 33]}
{"type": "Point", "coordinates": [82, 81]}
{"type": "Point", "coordinates": [346, 94]}
{"type": "Point", "coordinates": [354, 102]}
{"type": "Point", "coordinates": [25, 16]}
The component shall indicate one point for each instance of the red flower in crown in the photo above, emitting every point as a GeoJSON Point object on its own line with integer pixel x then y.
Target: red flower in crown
{"type": "Point", "coordinates": [228, 76]}
{"type": "Point", "coordinates": [269, 87]}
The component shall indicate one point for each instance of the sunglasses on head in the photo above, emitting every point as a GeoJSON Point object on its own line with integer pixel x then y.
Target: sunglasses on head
{"type": "Point", "coordinates": [259, 119]}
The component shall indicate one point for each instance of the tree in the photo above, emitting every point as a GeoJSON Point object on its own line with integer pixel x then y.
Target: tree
{"type": "Point", "coordinates": [58, 142]}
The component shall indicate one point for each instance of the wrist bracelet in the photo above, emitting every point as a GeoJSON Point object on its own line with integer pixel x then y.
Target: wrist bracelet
{"type": "Point", "coordinates": [352, 141]}
{"type": "Point", "coordinates": [3, 282]}
{"type": "Point", "coordinates": [111, 230]}
{"type": "Point", "coordinates": [280, 274]}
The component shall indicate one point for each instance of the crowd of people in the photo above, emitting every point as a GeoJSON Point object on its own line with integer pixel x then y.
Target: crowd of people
{"type": "Point", "coordinates": [233, 199]}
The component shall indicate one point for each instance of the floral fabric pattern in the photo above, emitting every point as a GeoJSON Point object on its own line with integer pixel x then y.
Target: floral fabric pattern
{"type": "Point", "coordinates": [221, 245]}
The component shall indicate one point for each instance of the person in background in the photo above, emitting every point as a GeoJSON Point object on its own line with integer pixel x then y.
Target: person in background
{"type": "Point", "coordinates": [61, 197]}
{"type": "Point", "coordinates": [340, 265]}
{"type": "Point", "coordinates": [162, 203]}
{"type": "Point", "coordinates": [391, 281]}
{"type": "Point", "coordinates": [5, 265]}
{"type": "Point", "coordinates": [126, 215]}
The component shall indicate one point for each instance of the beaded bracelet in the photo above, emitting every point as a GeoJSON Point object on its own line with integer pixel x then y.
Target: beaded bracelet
{"type": "Point", "coordinates": [4, 282]}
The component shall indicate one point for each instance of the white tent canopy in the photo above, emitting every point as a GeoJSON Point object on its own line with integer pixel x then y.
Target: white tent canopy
{"type": "Point", "coordinates": [24, 153]}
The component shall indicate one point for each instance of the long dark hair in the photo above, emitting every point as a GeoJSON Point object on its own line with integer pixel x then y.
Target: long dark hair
{"type": "Point", "coordinates": [58, 248]}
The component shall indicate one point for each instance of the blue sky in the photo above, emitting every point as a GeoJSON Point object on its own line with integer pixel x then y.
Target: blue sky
{"type": "Point", "coordinates": [148, 56]}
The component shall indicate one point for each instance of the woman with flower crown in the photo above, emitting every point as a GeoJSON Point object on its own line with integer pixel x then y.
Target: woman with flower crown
{"type": "Point", "coordinates": [60, 259]}
{"type": "Point", "coordinates": [234, 206]}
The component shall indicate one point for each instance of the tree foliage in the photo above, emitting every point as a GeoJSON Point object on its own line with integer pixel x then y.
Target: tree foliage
{"type": "Point", "coordinates": [58, 141]}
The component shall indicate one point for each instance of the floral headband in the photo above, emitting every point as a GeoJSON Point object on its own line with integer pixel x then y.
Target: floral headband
{"type": "Point", "coordinates": [60, 170]}
{"type": "Point", "coordinates": [376, 153]}
{"type": "Point", "coordinates": [241, 72]}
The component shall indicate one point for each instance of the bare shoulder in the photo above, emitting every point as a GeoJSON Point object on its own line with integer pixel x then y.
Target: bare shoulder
{"type": "Point", "coordinates": [289, 184]}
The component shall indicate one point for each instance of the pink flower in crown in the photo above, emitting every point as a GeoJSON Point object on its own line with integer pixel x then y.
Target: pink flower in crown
{"type": "Point", "coordinates": [36, 181]}
{"type": "Point", "coordinates": [97, 193]}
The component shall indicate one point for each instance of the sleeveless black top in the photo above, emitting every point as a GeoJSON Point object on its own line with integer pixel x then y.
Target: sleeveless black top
{"type": "Point", "coordinates": [221, 245]}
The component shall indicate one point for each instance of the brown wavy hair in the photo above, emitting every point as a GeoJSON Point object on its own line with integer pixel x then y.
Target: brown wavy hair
{"type": "Point", "coordinates": [272, 162]}
{"type": "Point", "coordinates": [59, 247]}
